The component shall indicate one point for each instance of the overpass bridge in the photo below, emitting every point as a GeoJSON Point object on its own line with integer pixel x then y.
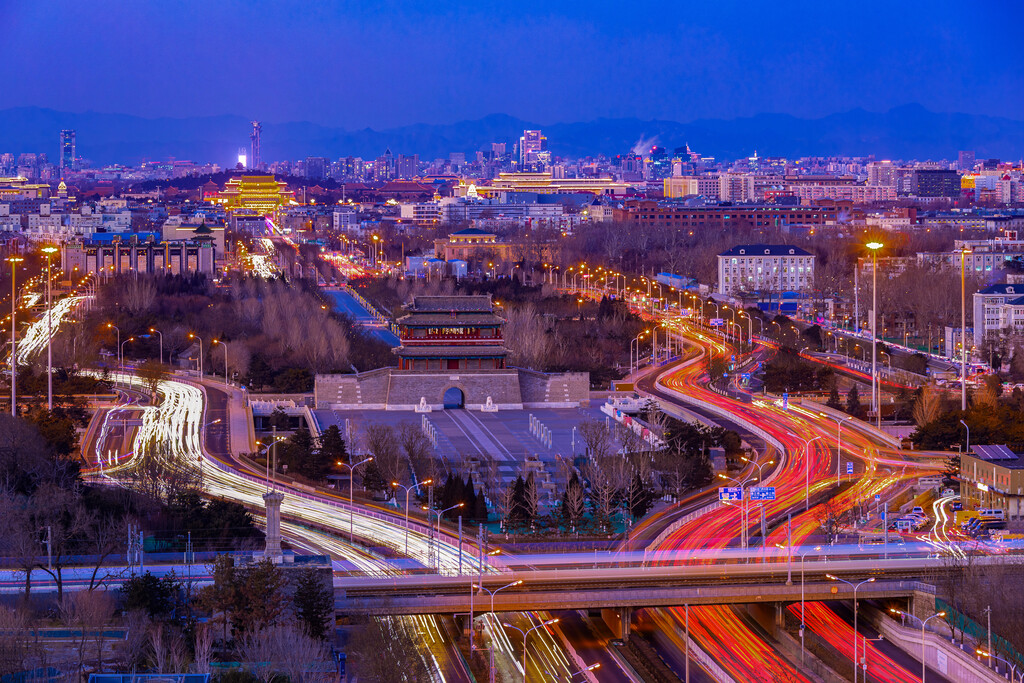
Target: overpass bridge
{"type": "Point", "coordinates": [623, 589]}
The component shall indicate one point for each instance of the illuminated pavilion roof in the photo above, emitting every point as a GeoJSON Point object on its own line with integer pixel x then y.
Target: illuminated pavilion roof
{"type": "Point", "coordinates": [259, 193]}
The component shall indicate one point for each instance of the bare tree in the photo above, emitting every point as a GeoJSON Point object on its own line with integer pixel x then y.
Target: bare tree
{"type": "Point", "coordinates": [597, 437]}
{"type": "Point", "coordinates": [928, 405]}
{"type": "Point", "coordinates": [383, 445]}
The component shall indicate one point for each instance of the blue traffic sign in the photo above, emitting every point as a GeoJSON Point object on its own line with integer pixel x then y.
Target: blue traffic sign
{"type": "Point", "coordinates": [730, 493]}
{"type": "Point", "coordinates": [849, 468]}
{"type": "Point", "coordinates": [762, 493]}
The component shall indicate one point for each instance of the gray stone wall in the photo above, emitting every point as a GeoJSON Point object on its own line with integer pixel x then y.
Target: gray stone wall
{"type": "Point", "coordinates": [392, 389]}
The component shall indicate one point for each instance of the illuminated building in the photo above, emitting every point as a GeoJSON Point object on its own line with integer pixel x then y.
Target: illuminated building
{"type": "Point", "coordinates": [451, 333]}
{"type": "Point", "coordinates": [261, 194]}
{"type": "Point", "coordinates": [765, 267]}
{"type": "Point", "coordinates": [533, 148]}
{"type": "Point", "coordinates": [254, 139]}
{"type": "Point", "coordinates": [544, 183]}
{"type": "Point", "coordinates": [18, 187]}
{"type": "Point", "coordinates": [67, 151]}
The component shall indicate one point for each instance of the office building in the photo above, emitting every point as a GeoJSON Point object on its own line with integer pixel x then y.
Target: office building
{"type": "Point", "coordinates": [765, 268]}
{"type": "Point", "coordinates": [929, 182]}
{"type": "Point", "coordinates": [533, 148]}
{"type": "Point", "coordinates": [68, 151]}
{"type": "Point", "coordinates": [316, 168]}
{"type": "Point", "coordinates": [965, 161]}
{"type": "Point", "coordinates": [993, 479]}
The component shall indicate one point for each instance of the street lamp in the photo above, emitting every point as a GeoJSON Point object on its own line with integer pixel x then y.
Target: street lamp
{"type": "Point", "coordinates": [923, 622]}
{"type": "Point", "coordinates": [351, 478]}
{"type": "Point", "coordinates": [1013, 666]}
{"type": "Point", "coordinates": [874, 247]}
{"type": "Point", "coordinates": [526, 634]}
{"type": "Point", "coordinates": [49, 251]}
{"type": "Point", "coordinates": [129, 339]}
{"type": "Point", "coordinates": [855, 588]}
{"type": "Point", "coordinates": [839, 443]}
{"type": "Point", "coordinates": [474, 587]}
{"type": "Point", "coordinates": [803, 556]}
{"type": "Point", "coordinates": [760, 478]}
{"type": "Point", "coordinates": [438, 514]}
{"type": "Point", "coordinates": [200, 340]}
{"type": "Point", "coordinates": [112, 326]}
{"type": "Point", "coordinates": [968, 449]}
{"type": "Point", "coordinates": [155, 331]}
{"type": "Point", "coordinates": [964, 251]}
{"type": "Point", "coordinates": [225, 345]}
{"type": "Point", "coordinates": [636, 340]}
{"type": "Point", "coordinates": [407, 489]}
{"type": "Point", "coordinates": [743, 507]}
{"type": "Point", "coordinates": [14, 261]}
{"type": "Point", "coordinates": [807, 474]}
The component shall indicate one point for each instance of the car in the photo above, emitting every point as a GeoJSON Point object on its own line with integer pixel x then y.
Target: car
{"type": "Point", "coordinates": [917, 510]}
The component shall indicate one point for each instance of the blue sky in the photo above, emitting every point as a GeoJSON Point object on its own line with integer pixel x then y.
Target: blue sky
{"type": "Point", "coordinates": [385, 64]}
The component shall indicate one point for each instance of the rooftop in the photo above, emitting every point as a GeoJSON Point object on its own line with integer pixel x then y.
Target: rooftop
{"type": "Point", "coordinates": [479, 303]}
{"type": "Point", "coordinates": [765, 250]}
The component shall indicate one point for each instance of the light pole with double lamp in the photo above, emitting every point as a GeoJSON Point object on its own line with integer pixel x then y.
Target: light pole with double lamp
{"type": "Point", "coordinates": [526, 634]}
{"type": "Point", "coordinates": [807, 473]}
{"type": "Point", "coordinates": [803, 556]}
{"type": "Point", "coordinates": [407, 489]}
{"type": "Point", "coordinates": [1013, 667]}
{"type": "Point", "coordinates": [351, 479]}
{"type": "Point", "coordinates": [438, 514]}
{"type": "Point", "coordinates": [855, 587]}
{"type": "Point", "coordinates": [492, 593]}
{"type": "Point", "coordinates": [875, 394]}
{"type": "Point", "coordinates": [49, 251]}
{"type": "Point", "coordinates": [760, 478]}
{"type": "Point", "coordinates": [14, 261]}
{"type": "Point", "coordinates": [937, 615]}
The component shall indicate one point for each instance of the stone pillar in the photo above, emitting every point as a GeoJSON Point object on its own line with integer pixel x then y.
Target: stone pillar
{"type": "Point", "coordinates": [273, 501]}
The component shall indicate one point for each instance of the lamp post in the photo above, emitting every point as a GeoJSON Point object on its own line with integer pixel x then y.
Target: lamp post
{"type": "Point", "coordinates": [963, 328]}
{"type": "Point", "coordinates": [270, 445]}
{"type": "Point", "coordinates": [875, 402]}
{"type": "Point", "coordinates": [760, 478]}
{"type": "Point", "coordinates": [438, 515]}
{"type": "Point", "coordinates": [839, 443]}
{"type": "Point", "coordinates": [160, 334]}
{"type": "Point", "coordinates": [636, 340]}
{"type": "Point", "coordinates": [1013, 666]}
{"type": "Point", "coordinates": [968, 449]}
{"type": "Point", "coordinates": [743, 507]}
{"type": "Point", "coordinates": [225, 345]}
{"type": "Point", "coordinates": [14, 261]}
{"type": "Point", "coordinates": [923, 622]}
{"type": "Point", "coordinates": [492, 594]}
{"type": "Point", "coordinates": [351, 479]}
{"type": "Point", "coordinates": [49, 251]}
{"type": "Point", "coordinates": [129, 339]}
{"type": "Point", "coordinates": [803, 556]}
{"type": "Point", "coordinates": [807, 474]}
{"type": "Point", "coordinates": [200, 340]}
{"type": "Point", "coordinates": [407, 489]}
{"type": "Point", "coordinates": [855, 587]}
{"type": "Point", "coordinates": [526, 634]}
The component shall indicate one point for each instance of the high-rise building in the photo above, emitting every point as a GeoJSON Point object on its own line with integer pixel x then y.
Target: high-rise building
{"type": "Point", "coordinates": [965, 161]}
{"type": "Point", "coordinates": [68, 153]}
{"type": "Point", "coordinates": [316, 167]}
{"type": "Point", "coordinates": [533, 148]}
{"type": "Point", "coordinates": [936, 183]}
{"type": "Point", "coordinates": [407, 166]}
{"type": "Point", "coordinates": [254, 139]}
{"type": "Point", "coordinates": [882, 173]}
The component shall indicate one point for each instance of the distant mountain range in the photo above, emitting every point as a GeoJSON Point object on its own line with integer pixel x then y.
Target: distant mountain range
{"type": "Point", "coordinates": [907, 132]}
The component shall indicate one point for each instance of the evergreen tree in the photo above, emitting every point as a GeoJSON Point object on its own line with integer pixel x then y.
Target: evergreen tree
{"type": "Point", "coordinates": [853, 405]}
{"type": "Point", "coordinates": [373, 480]}
{"type": "Point", "coordinates": [480, 508]}
{"type": "Point", "coordinates": [517, 512]}
{"type": "Point", "coordinates": [834, 401]}
{"type": "Point", "coordinates": [332, 446]}
{"type": "Point", "coordinates": [314, 603]}
{"type": "Point", "coordinates": [297, 453]}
